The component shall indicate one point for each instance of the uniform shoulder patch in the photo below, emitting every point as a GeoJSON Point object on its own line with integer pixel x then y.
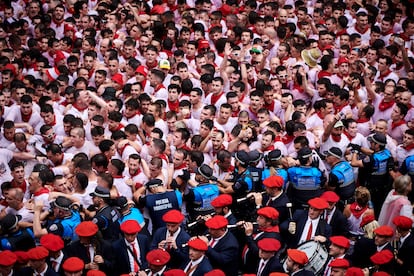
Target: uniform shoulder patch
{"type": "Point", "coordinates": [53, 227]}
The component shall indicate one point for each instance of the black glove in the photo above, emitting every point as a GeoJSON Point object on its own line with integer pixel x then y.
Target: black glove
{"type": "Point", "coordinates": [355, 147]}
{"type": "Point", "coordinates": [213, 178]}
{"type": "Point", "coordinates": [315, 162]}
{"type": "Point", "coordinates": [185, 176]}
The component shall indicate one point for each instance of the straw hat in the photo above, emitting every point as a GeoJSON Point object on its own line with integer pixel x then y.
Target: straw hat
{"type": "Point", "coordinates": [311, 56]}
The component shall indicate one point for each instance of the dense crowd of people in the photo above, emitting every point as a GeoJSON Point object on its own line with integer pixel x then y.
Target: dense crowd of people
{"type": "Point", "coordinates": [206, 137]}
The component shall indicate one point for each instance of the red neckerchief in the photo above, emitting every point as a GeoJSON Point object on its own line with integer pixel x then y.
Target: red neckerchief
{"type": "Point", "coordinates": [405, 37]}
{"type": "Point", "coordinates": [190, 58]}
{"type": "Point", "coordinates": [385, 105]}
{"type": "Point", "coordinates": [348, 135]}
{"type": "Point", "coordinates": [168, 52]}
{"type": "Point", "coordinates": [409, 147]}
{"type": "Point", "coordinates": [383, 75]}
{"type": "Point", "coordinates": [215, 151]}
{"type": "Point", "coordinates": [339, 33]}
{"type": "Point", "coordinates": [185, 147]}
{"type": "Point", "coordinates": [397, 124]}
{"type": "Point", "coordinates": [270, 106]}
{"type": "Point", "coordinates": [159, 87]}
{"type": "Point", "coordinates": [270, 229]}
{"type": "Point", "coordinates": [26, 118]}
{"type": "Point", "coordinates": [118, 127]}
{"type": "Point", "coordinates": [338, 108]}
{"type": "Point", "coordinates": [182, 166]}
{"type": "Point", "coordinates": [278, 139]}
{"type": "Point", "coordinates": [121, 150]}
{"type": "Point", "coordinates": [387, 32]}
{"type": "Point", "coordinates": [41, 191]}
{"type": "Point", "coordinates": [342, 76]}
{"type": "Point", "coordinates": [357, 210]}
{"type": "Point", "coordinates": [22, 186]}
{"type": "Point", "coordinates": [242, 97]}
{"type": "Point", "coordinates": [135, 174]}
{"type": "Point", "coordinates": [362, 120]}
{"type": "Point", "coordinates": [251, 82]}
{"type": "Point", "coordinates": [53, 123]}
{"type": "Point", "coordinates": [118, 176]}
{"type": "Point", "coordinates": [174, 106]}
{"type": "Point", "coordinates": [287, 139]}
{"type": "Point", "coordinates": [323, 74]}
{"type": "Point", "coordinates": [130, 116]}
{"type": "Point", "coordinates": [75, 105]}
{"type": "Point", "coordinates": [363, 31]}
{"type": "Point", "coordinates": [216, 97]}
{"type": "Point", "coordinates": [151, 65]}
{"type": "Point", "coordinates": [235, 113]}
{"type": "Point", "coordinates": [320, 115]}
{"type": "Point", "coordinates": [336, 138]}
{"type": "Point", "coordinates": [269, 148]}
{"type": "Point", "coordinates": [163, 157]}
{"type": "Point", "coordinates": [298, 87]}
{"type": "Point", "coordinates": [58, 24]}
{"type": "Point", "coordinates": [284, 59]}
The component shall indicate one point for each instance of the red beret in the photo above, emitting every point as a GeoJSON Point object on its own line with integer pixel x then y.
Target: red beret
{"type": "Point", "coordinates": [73, 264]}
{"type": "Point", "coordinates": [203, 44]}
{"type": "Point", "coordinates": [7, 258]}
{"type": "Point", "coordinates": [38, 253]}
{"type": "Point", "coordinates": [274, 181]}
{"type": "Point", "coordinates": [278, 274]}
{"type": "Point", "coordinates": [142, 70]}
{"type": "Point", "coordinates": [354, 271]}
{"type": "Point", "coordinates": [269, 244]}
{"type": "Point", "coordinates": [174, 272]}
{"type": "Point", "coordinates": [381, 273]}
{"type": "Point", "coordinates": [268, 212]}
{"type": "Point", "coordinates": [198, 244]}
{"type": "Point", "coordinates": [118, 79]}
{"type": "Point", "coordinates": [382, 257]}
{"type": "Point", "coordinates": [22, 257]}
{"type": "Point", "coordinates": [342, 60]}
{"type": "Point", "coordinates": [130, 227]}
{"type": "Point", "coordinates": [158, 257]}
{"type": "Point", "coordinates": [339, 263]}
{"type": "Point", "coordinates": [385, 231]}
{"type": "Point", "coordinates": [298, 256]}
{"type": "Point", "coordinates": [59, 56]}
{"type": "Point", "coordinates": [318, 203]}
{"type": "Point", "coordinates": [52, 242]}
{"type": "Point", "coordinates": [340, 241]}
{"type": "Point", "coordinates": [330, 196]}
{"type": "Point", "coordinates": [215, 272]}
{"type": "Point", "coordinates": [222, 201]}
{"type": "Point", "coordinates": [403, 222]}
{"type": "Point", "coordinates": [366, 219]}
{"type": "Point", "coordinates": [95, 273]}
{"type": "Point", "coordinates": [86, 229]}
{"type": "Point", "coordinates": [217, 222]}
{"type": "Point", "coordinates": [173, 216]}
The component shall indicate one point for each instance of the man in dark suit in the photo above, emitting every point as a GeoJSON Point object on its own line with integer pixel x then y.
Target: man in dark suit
{"type": "Point", "coordinates": [295, 263]}
{"type": "Point", "coordinates": [54, 244]}
{"type": "Point", "coordinates": [337, 250]}
{"type": "Point", "coordinates": [404, 263]}
{"type": "Point", "coordinates": [333, 216]}
{"type": "Point", "coordinates": [338, 267]}
{"type": "Point", "coordinates": [172, 237]}
{"type": "Point", "coordinates": [383, 237]}
{"type": "Point", "coordinates": [130, 250]}
{"type": "Point", "coordinates": [222, 205]}
{"type": "Point", "coordinates": [223, 247]}
{"type": "Point", "coordinates": [7, 261]}
{"type": "Point", "coordinates": [37, 263]}
{"type": "Point", "coordinates": [269, 262]}
{"type": "Point", "coordinates": [307, 226]}
{"type": "Point", "coordinates": [199, 263]}
{"type": "Point", "coordinates": [96, 253]}
{"type": "Point", "coordinates": [157, 260]}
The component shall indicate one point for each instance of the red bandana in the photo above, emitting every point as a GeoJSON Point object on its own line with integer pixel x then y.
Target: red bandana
{"type": "Point", "coordinates": [75, 105]}
{"type": "Point", "coordinates": [362, 120]}
{"type": "Point", "coordinates": [336, 138]}
{"type": "Point", "coordinates": [347, 135]}
{"type": "Point", "coordinates": [287, 139]}
{"type": "Point", "coordinates": [385, 105]}
{"type": "Point", "coordinates": [397, 124]}
{"type": "Point", "coordinates": [26, 118]}
{"type": "Point", "coordinates": [357, 210]}
{"type": "Point", "coordinates": [216, 97]}
{"type": "Point", "coordinates": [174, 106]}
{"type": "Point", "coordinates": [298, 87]}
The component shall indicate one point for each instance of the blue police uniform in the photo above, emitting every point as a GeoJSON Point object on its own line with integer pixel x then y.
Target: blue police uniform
{"type": "Point", "coordinates": [199, 199]}
{"type": "Point", "coordinates": [21, 240]}
{"type": "Point", "coordinates": [342, 178]}
{"type": "Point", "coordinates": [66, 227]}
{"type": "Point", "coordinates": [133, 214]}
{"type": "Point", "coordinates": [305, 183]}
{"type": "Point", "coordinates": [280, 172]}
{"type": "Point", "coordinates": [256, 174]}
{"type": "Point", "coordinates": [107, 220]}
{"type": "Point", "coordinates": [159, 204]}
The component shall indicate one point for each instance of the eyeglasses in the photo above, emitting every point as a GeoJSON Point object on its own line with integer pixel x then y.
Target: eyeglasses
{"type": "Point", "coordinates": [283, 76]}
{"type": "Point", "coordinates": [254, 53]}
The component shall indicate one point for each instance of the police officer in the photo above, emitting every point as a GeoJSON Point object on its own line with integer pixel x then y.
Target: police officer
{"type": "Point", "coordinates": [13, 237]}
{"type": "Point", "coordinates": [158, 201]}
{"type": "Point", "coordinates": [378, 167]}
{"type": "Point", "coordinates": [255, 157]}
{"type": "Point", "coordinates": [341, 177]}
{"type": "Point", "coordinates": [63, 222]}
{"type": "Point", "coordinates": [199, 198]}
{"type": "Point", "coordinates": [106, 217]}
{"type": "Point", "coordinates": [305, 181]}
{"type": "Point", "coordinates": [274, 166]}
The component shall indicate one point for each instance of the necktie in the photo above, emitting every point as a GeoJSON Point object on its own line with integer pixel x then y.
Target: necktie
{"type": "Point", "coordinates": [134, 251]}
{"type": "Point", "coordinates": [54, 265]}
{"type": "Point", "coordinates": [259, 272]}
{"type": "Point", "coordinates": [328, 269]}
{"type": "Point", "coordinates": [327, 216]}
{"type": "Point", "coordinates": [212, 242]}
{"type": "Point", "coordinates": [309, 235]}
{"type": "Point", "coordinates": [190, 269]}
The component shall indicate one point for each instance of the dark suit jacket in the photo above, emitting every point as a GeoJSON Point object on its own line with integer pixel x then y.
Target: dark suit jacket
{"type": "Point", "coordinates": [179, 255]}
{"type": "Point", "coordinates": [364, 248]}
{"type": "Point", "coordinates": [273, 265]}
{"type": "Point", "coordinates": [102, 247]}
{"type": "Point", "coordinates": [30, 271]}
{"type": "Point", "coordinates": [304, 272]}
{"type": "Point", "coordinates": [60, 271]}
{"type": "Point", "coordinates": [121, 260]}
{"type": "Point", "coordinates": [339, 224]}
{"type": "Point", "coordinates": [202, 268]}
{"type": "Point", "coordinates": [224, 254]}
{"type": "Point", "coordinates": [405, 254]}
{"type": "Point", "coordinates": [301, 217]}
{"type": "Point", "coordinates": [279, 204]}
